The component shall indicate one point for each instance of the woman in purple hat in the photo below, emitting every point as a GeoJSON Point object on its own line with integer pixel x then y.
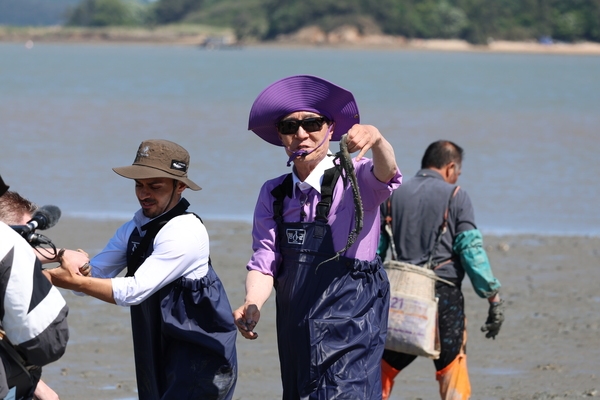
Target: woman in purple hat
{"type": "Point", "coordinates": [331, 308]}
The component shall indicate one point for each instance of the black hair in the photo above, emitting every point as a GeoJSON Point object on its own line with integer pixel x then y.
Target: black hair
{"type": "Point", "coordinates": [3, 186]}
{"type": "Point", "coordinates": [442, 153]}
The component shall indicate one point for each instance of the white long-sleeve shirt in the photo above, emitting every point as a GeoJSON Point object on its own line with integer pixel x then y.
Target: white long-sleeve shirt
{"type": "Point", "coordinates": [181, 248]}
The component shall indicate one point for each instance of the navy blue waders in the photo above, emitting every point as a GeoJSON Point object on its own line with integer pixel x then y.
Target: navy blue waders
{"type": "Point", "coordinates": [183, 335]}
{"type": "Point", "coordinates": [331, 320]}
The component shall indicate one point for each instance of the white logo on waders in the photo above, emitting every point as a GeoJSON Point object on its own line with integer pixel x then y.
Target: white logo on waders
{"type": "Point", "coordinates": [295, 236]}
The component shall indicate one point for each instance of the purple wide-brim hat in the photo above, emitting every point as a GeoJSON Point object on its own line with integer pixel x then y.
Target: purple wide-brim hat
{"type": "Point", "coordinates": [302, 93]}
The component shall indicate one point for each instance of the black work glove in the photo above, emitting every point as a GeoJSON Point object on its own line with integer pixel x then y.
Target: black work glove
{"type": "Point", "coordinates": [494, 320]}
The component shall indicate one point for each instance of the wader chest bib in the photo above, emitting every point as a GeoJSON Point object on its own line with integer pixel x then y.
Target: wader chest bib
{"type": "Point", "coordinates": [332, 318]}
{"type": "Point", "coordinates": [183, 335]}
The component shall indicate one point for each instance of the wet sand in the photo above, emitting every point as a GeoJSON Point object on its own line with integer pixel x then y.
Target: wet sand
{"type": "Point", "coordinates": [548, 348]}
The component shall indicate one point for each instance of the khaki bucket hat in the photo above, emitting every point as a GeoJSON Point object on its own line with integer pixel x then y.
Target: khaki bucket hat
{"type": "Point", "coordinates": [157, 158]}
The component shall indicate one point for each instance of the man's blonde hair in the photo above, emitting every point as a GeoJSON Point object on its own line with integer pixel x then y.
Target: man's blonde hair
{"type": "Point", "coordinates": [14, 207]}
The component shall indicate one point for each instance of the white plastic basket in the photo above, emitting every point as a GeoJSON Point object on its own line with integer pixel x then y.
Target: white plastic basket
{"type": "Point", "coordinates": [412, 321]}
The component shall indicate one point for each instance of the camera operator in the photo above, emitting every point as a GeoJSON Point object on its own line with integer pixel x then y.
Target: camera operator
{"type": "Point", "coordinates": [32, 315]}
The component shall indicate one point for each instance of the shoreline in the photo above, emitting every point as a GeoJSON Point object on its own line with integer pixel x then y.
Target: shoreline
{"type": "Point", "coordinates": [199, 36]}
{"type": "Point", "coordinates": [247, 222]}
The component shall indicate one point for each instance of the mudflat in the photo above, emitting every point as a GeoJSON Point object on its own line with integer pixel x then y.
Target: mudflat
{"type": "Point", "coordinates": [548, 347]}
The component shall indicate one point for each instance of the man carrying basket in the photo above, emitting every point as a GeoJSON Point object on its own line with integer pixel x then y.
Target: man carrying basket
{"type": "Point", "coordinates": [415, 213]}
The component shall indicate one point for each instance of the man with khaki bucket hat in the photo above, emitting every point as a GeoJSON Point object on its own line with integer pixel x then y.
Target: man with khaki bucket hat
{"type": "Point", "coordinates": [182, 324]}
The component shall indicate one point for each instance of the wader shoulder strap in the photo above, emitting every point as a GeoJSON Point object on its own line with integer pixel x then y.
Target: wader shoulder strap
{"type": "Point", "coordinates": [152, 228]}
{"type": "Point", "coordinates": [197, 216]}
{"type": "Point", "coordinates": [441, 230]}
{"type": "Point", "coordinates": [330, 178]}
{"type": "Point", "coordinates": [283, 189]}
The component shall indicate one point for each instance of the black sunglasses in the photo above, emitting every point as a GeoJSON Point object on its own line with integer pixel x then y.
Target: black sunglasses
{"type": "Point", "coordinates": [290, 126]}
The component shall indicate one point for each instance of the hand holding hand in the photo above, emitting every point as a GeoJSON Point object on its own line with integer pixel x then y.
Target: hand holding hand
{"type": "Point", "coordinates": [72, 265]}
{"type": "Point", "coordinates": [246, 317]}
{"type": "Point", "coordinates": [494, 320]}
{"type": "Point", "coordinates": [77, 261]}
{"type": "Point", "coordinates": [62, 276]}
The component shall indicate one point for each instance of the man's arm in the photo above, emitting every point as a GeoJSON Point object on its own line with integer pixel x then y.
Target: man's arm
{"type": "Point", "coordinates": [384, 235]}
{"type": "Point", "coordinates": [258, 290]}
{"type": "Point", "coordinates": [469, 246]}
{"type": "Point", "coordinates": [67, 277]}
{"type": "Point", "coordinates": [384, 242]}
{"type": "Point", "coordinates": [64, 254]}
{"type": "Point", "coordinates": [365, 137]}
{"type": "Point", "coordinates": [44, 392]}
{"type": "Point", "coordinates": [100, 288]}
{"type": "Point", "coordinates": [180, 247]}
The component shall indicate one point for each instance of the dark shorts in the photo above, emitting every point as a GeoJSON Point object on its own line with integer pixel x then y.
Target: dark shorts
{"type": "Point", "coordinates": [451, 321]}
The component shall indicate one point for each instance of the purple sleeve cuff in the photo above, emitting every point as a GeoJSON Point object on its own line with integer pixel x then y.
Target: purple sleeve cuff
{"type": "Point", "coordinates": [264, 261]}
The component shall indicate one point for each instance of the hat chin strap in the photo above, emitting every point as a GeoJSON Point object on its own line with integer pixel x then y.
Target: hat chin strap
{"type": "Point", "coordinates": [304, 153]}
{"type": "Point", "coordinates": [171, 199]}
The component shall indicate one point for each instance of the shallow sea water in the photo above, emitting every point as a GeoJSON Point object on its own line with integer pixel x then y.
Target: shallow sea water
{"type": "Point", "coordinates": [529, 124]}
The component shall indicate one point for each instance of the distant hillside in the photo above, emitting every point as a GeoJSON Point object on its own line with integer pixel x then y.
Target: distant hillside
{"type": "Point", "coordinates": [34, 12]}
{"type": "Point", "coordinates": [475, 21]}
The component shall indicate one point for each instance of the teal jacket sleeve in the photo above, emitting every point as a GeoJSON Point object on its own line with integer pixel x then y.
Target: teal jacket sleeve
{"type": "Point", "coordinates": [469, 246]}
{"type": "Point", "coordinates": [384, 242]}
